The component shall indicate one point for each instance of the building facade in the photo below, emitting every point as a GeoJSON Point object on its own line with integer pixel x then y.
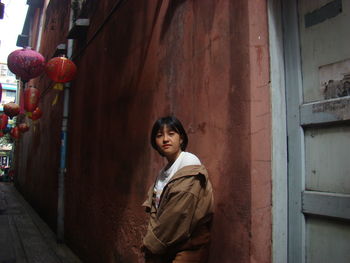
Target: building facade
{"type": "Point", "coordinates": [9, 85]}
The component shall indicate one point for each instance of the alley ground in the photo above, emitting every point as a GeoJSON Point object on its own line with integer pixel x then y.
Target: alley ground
{"type": "Point", "coordinates": [24, 237]}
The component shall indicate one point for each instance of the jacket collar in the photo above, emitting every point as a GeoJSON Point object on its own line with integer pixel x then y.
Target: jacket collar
{"type": "Point", "coordinates": [190, 170]}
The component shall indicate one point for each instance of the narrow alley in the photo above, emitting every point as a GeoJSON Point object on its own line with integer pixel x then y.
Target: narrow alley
{"type": "Point", "coordinates": [24, 237]}
{"type": "Point", "coordinates": [115, 115]}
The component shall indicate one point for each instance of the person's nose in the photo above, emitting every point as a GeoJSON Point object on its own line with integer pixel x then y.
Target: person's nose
{"type": "Point", "coordinates": [165, 138]}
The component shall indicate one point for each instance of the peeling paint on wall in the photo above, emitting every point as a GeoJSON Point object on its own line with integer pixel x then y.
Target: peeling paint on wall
{"type": "Point", "coordinates": [334, 79]}
{"type": "Point", "coordinates": [337, 88]}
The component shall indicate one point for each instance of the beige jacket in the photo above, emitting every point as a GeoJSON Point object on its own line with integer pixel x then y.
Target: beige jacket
{"type": "Point", "coordinates": [185, 211]}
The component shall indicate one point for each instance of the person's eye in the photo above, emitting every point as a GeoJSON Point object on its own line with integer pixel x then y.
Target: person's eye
{"type": "Point", "coordinates": [158, 135]}
{"type": "Point", "coordinates": [171, 133]}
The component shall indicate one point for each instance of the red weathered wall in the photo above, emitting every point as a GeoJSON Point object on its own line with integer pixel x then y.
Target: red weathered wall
{"type": "Point", "coordinates": [260, 134]}
{"type": "Point", "coordinates": [207, 63]}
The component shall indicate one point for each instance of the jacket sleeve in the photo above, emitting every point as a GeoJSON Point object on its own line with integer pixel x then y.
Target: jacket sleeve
{"type": "Point", "coordinates": [173, 223]}
{"type": "Point", "coordinates": [147, 204]}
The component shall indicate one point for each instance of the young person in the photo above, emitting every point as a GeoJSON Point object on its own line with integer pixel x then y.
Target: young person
{"type": "Point", "coordinates": [180, 203]}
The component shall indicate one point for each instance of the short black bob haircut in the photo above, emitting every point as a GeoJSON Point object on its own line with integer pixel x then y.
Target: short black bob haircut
{"type": "Point", "coordinates": [173, 124]}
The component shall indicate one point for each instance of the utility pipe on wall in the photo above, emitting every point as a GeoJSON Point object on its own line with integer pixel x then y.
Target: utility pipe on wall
{"type": "Point", "coordinates": [64, 139]}
{"type": "Point", "coordinates": [62, 169]}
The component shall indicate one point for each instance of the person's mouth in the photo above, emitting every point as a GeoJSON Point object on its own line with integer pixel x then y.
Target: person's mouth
{"type": "Point", "coordinates": [166, 145]}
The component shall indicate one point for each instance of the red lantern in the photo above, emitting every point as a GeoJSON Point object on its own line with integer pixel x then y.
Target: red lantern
{"type": "Point", "coordinates": [26, 63]}
{"type": "Point", "coordinates": [31, 99]}
{"type": "Point", "coordinates": [15, 132]}
{"type": "Point", "coordinates": [11, 109]}
{"type": "Point", "coordinates": [36, 114]}
{"type": "Point", "coordinates": [23, 127]}
{"type": "Point", "coordinates": [3, 121]}
{"type": "Point", "coordinates": [60, 69]}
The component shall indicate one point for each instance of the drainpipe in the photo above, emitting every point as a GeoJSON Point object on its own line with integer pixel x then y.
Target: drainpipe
{"type": "Point", "coordinates": [63, 169]}
{"type": "Point", "coordinates": [64, 138]}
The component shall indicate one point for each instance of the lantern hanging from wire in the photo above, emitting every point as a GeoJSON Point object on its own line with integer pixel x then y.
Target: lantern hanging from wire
{"type": "Point", "coordinates": [26, 63]}
{"type": "Point", "coordinates": [3, 121]}
{"type": "Point", "coordinates": [15, 133]}
{"type": "Point", "coordinates": [36, 114]}
{"type": "Point", "coordinates": [31, 99]}
{"type": "Point", "coordinates": [60, 70]}
{"type": "Point", "coordinates": [11, 109]}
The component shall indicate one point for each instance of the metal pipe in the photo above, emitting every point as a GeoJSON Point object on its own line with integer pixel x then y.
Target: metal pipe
{"type": "Point", "coordinates": [64, 140]}
{"type": "Point", "coordinates": [62, 170]}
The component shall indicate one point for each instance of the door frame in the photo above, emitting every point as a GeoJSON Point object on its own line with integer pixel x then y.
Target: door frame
{"type": "Point", "coordinates": [295, 133]}
{"type": "Point", "coordinates": [287, 144]}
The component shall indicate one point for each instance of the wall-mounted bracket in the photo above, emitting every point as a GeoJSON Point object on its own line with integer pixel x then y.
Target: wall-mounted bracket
{"type": "Point", "coordinates": [61, 49]}
{"type": "Point", "coordinates": [22, 41]}
{"type": "Point", "coordinates": [35, 3]}
{"type": "Point", "coordinates": [79, 28]}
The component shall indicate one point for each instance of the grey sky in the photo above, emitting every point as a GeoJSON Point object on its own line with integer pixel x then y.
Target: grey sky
{"type": "Point", "coordinates": [11, 26]}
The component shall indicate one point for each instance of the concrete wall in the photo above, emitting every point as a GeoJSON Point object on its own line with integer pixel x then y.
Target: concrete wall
{"type": "Point", "coordinates": [204, 61]}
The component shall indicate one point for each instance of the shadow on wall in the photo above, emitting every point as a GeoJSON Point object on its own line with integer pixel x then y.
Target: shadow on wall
{"type": "Point", "coordinates": [170, 12]}
{"type": "Point", "coordinates": [110, 164]}
{"type": "Point", "coordinates": [231, 228]}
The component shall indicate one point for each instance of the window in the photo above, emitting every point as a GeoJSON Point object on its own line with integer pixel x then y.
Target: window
{"type": "Point", "coordinates": [10, 94]}
{"type": "Point", "coordinates": [10, 74]}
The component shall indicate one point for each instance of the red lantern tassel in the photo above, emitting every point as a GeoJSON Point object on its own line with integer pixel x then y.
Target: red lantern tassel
{"type": "Point", "coordinates": [55, 100]}
{"type": "Point", "coordinates": [58, 86]}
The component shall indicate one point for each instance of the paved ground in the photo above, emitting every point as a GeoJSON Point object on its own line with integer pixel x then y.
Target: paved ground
{"type": "Point", "coordinates": [24, 237]}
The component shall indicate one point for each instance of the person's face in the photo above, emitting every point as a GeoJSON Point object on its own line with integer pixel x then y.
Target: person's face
{"type": "Point", "coordinates": [168, 142]}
